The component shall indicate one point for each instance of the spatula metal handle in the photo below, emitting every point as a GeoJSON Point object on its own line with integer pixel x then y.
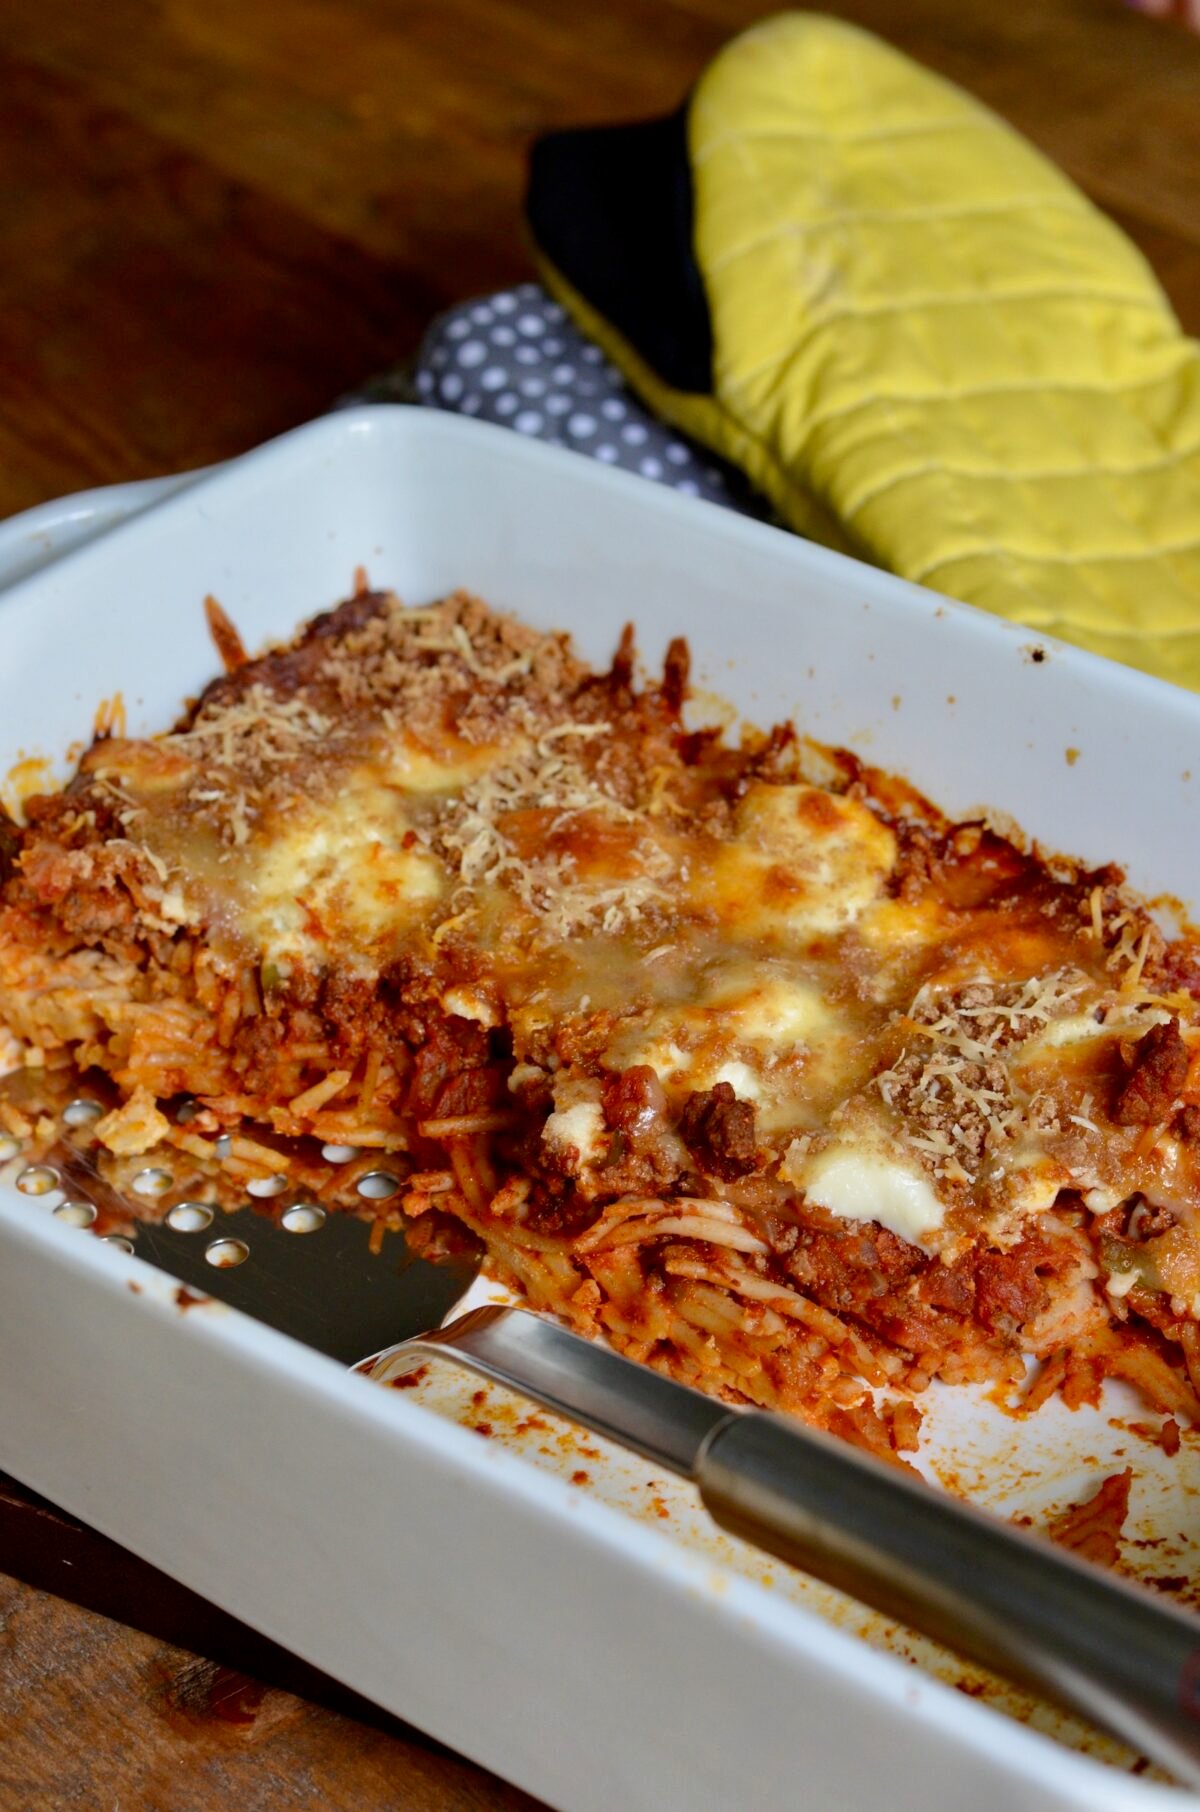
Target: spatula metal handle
{"type": "Point", "coordinates": [1010, 1600]}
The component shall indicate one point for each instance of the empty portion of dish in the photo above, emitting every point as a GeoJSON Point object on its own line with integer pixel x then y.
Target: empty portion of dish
{"type": "Point", "coordinates": [741, 1055]}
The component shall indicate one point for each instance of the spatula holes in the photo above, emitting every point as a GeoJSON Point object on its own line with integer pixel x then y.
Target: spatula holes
{"type": "Point", "coordinates": [37, 1179]}
{"type": "Point", "coordinates": [152, 1182]}
{"type": "Point", "coordinates": [75, 1214]}
{"type": "Point", "coordinates": [377, 1185]}
{"type": "Point", "coordinates": [302, 1217]}
{"type": "Point", "coordinates": [225, 1254]}
{"type": "Point", "coordinates": [82, 1112]}
{"type": "Point", "coordinates": [190, 1217]}
{"type": "Point", "coordinates": [267, 1186]}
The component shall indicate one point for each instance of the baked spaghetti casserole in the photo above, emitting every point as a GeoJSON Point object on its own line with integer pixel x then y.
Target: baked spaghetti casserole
{"type": "Point", "coordinates": [741, 1056]}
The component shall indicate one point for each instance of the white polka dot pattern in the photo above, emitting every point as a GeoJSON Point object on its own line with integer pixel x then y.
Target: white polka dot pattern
{"type": "Point", "coordinates": [517, 358]}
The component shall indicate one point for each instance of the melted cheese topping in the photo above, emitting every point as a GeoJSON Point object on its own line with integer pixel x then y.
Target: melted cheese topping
{"type": "Point", "coordinates": [775, 1011]}
{"type": "Point", "coordinates": [346, 873]}
{"type": "Point", "coordinates": [803, 863]}
{"type": "Point", "coordinates": [411, 767]}
{"type": "Point", "coordinates": [451, 795]}
{"type": "Point", "coordinates": [858, 1181]}
{"type": "Point", "coordinates": [580, 1126]}
{"type": "Point", "coordinates": [765, 1028]}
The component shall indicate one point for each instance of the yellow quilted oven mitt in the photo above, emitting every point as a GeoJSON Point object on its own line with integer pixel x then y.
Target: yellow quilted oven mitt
{"type": "Point", "coordinates": [929, 347]}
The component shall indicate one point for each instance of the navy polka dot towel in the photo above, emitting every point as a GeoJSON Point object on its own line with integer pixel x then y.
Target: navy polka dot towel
{"type": "Point", "coordinates": [518, 359]}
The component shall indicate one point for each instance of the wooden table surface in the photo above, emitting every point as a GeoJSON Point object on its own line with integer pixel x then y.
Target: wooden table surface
{"type": "Point", "coordinates": [215, 217]}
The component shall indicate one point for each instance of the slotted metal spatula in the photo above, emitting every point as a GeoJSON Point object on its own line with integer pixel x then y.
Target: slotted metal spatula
{"type": "Point", "coordinates": [1110, 1650]}
{"type": "Point", "coordinates": [313, 1275]}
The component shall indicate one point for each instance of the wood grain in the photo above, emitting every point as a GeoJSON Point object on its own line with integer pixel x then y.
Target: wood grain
{"type": "Point", "coordinates": [98, 1717]}
{"type": "Point", "coordinates": [215, 217]}
{"type": "Point", "coordinates": [161, 314]}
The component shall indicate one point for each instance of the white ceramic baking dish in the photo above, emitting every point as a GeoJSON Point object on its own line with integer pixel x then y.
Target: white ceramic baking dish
{"type": "Point", "coordinates": [536, 1600]}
